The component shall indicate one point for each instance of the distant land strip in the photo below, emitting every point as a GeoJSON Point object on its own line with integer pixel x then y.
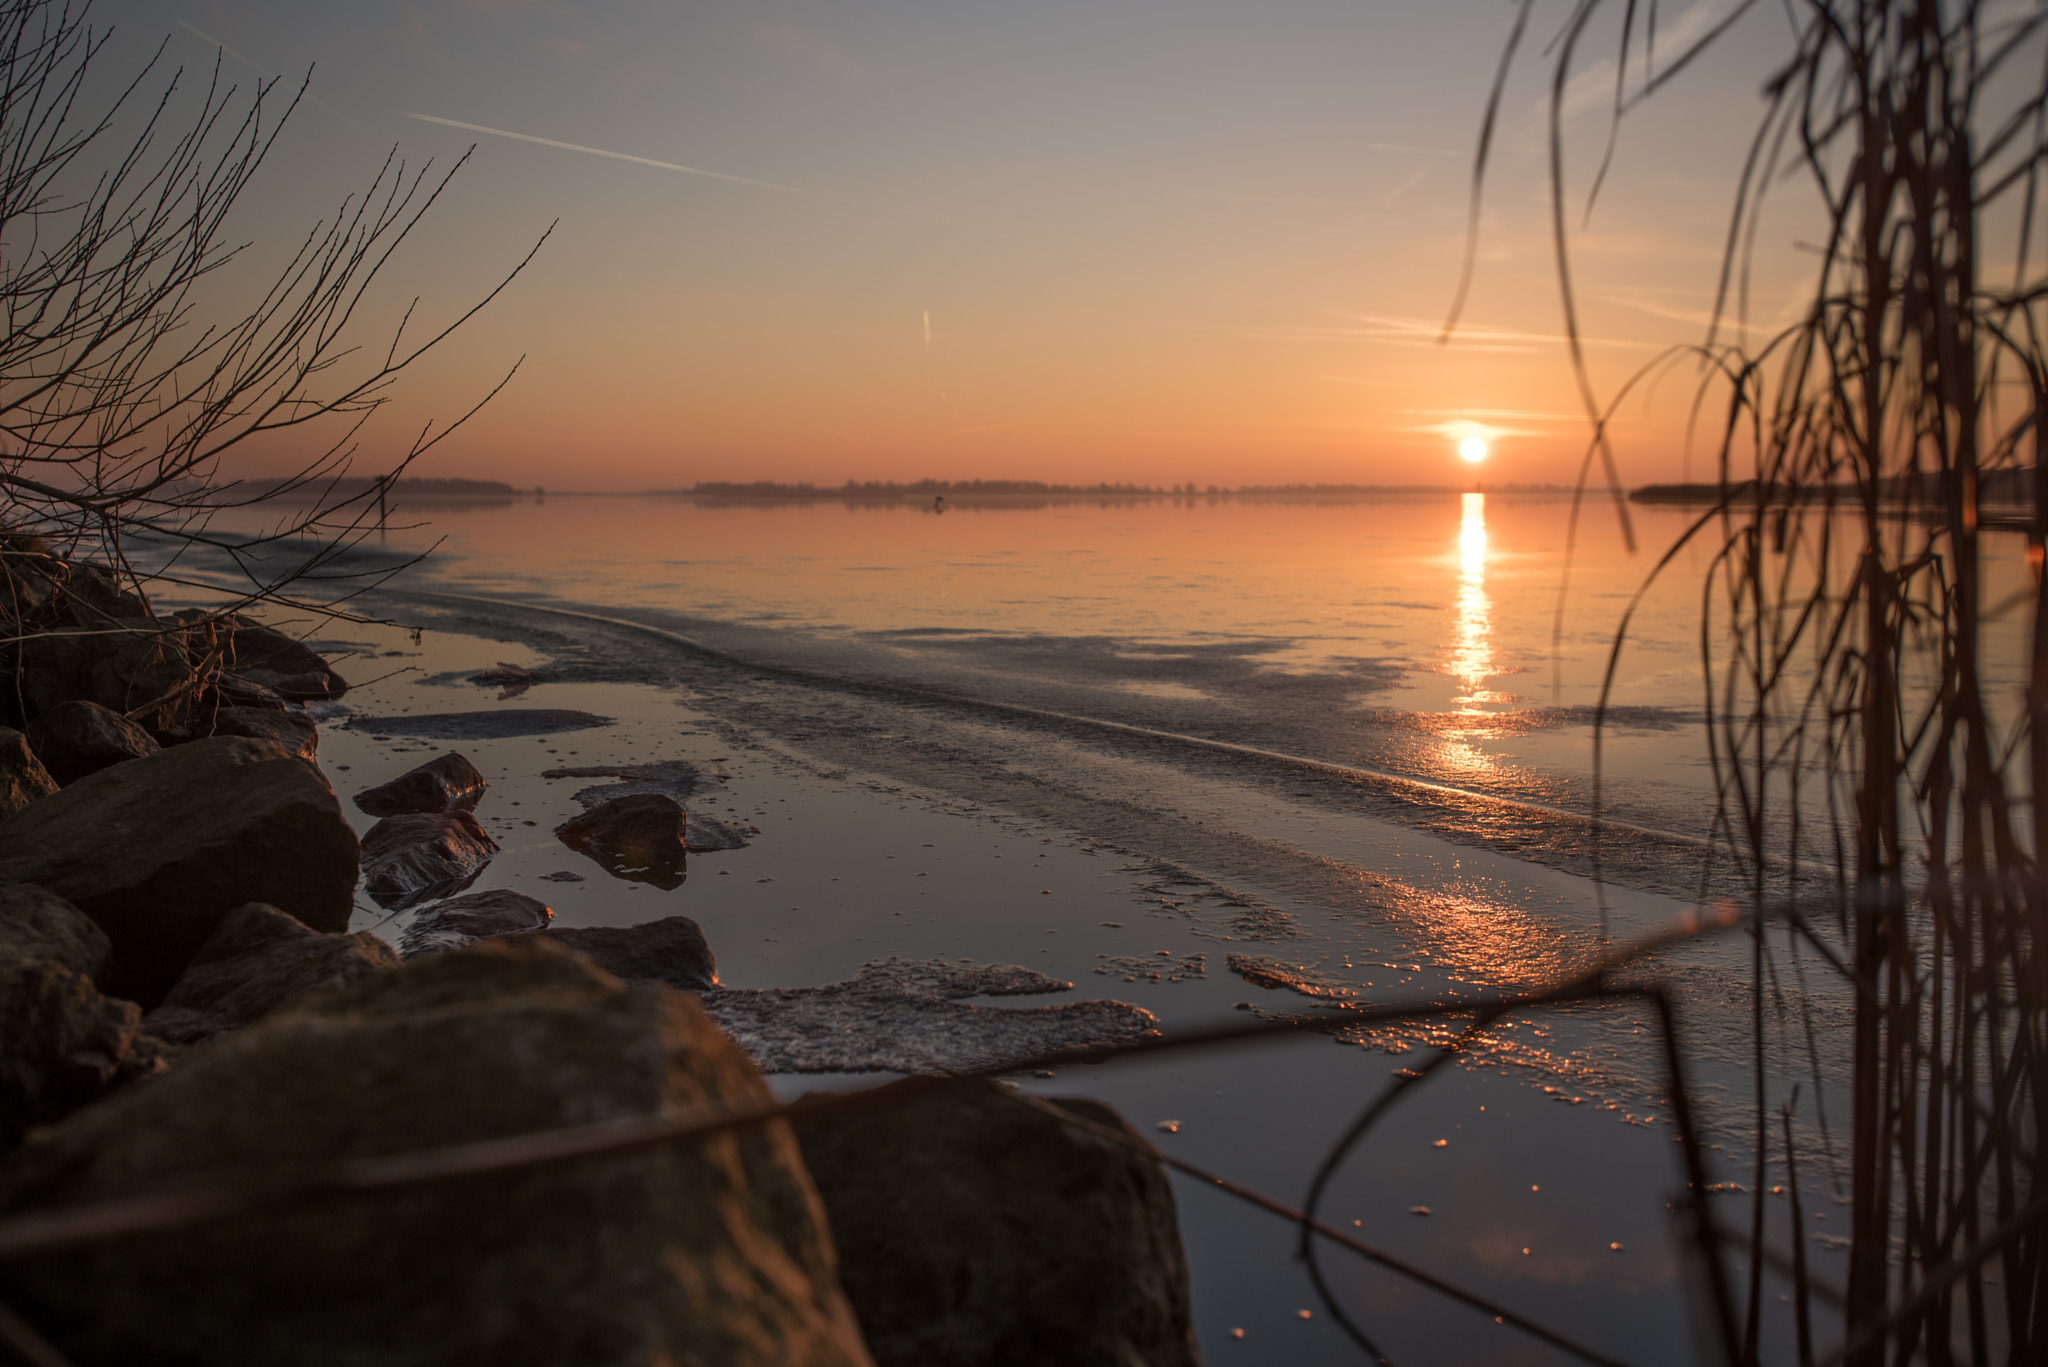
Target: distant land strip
{"type": "Point", "coordinates": [1029, 488]}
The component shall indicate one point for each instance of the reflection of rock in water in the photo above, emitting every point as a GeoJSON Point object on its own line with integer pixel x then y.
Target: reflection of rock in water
{"type": "Point", "coordinates": [639, 837]}
{"type": "Point", "coordinates": [461, 921]}
{"type": "Point", "coordinates": [905, 1016]}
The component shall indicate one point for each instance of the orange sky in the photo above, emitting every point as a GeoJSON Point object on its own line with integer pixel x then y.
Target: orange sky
{"type": "Point", "coordinates": [1154, 242]}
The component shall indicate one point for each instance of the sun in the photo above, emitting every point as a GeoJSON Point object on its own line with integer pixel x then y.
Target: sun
{"type": "Point", "coordinates": [1472, 449]}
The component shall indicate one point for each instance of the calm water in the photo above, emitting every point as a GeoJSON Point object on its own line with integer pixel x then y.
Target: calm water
{"type": "Point", "coordinates": [1347, 738]}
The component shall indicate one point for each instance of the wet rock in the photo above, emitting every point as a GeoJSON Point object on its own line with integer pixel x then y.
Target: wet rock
{"type": "Point", "coordinates": [419, 856]}
{"type": "Point", "coordinates": [292, 731]}
{"type": "Point", "coordinates": [159, 850]}
{"type": "Point", "coordinates": [900, 1016]}
{"type": "Point", "coordinates": [23, 778]}
{"type": "Point", "coordinates": [62, 1043]}
{"type": "Point", "coordinates": [638, 837]}
{"type": "Point", "coordinates": [74, 739]}
{"type": "Point", "coordinates": [672, 950]}
{"type": "Point", "coordinates": [676, 778]}
{"type": "Point", "coordinates": [708, 1252]}
{"type": "Point", "coordinates": [496, 914]}
{"type": "Point", "coordinates": [259, 959]}
{"type": "Point", "coordinates": [975, 1228]}
{"type": "Point", "coordinates": [287, 667]}
{"type": "Point", "coordinates": [444, 783]}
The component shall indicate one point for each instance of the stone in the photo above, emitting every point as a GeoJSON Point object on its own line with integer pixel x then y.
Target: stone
{"type": "Point", "coordinates": [28, 586]}
{"type": "Point", "coordinates": [74, 739]}
{"type": "Point", "coordinates": [712, 1251]}
{"type": "Point", "coordinates": [157, 851]}
{"type": "Point", "coordinates": [259, 959]}
{"type": "Point", "coordinates": [287, 667]}
{"type": "Point", "coordinates": [234, 691]}
{"type": "Point", "coordinates": [901, 1016]}
{"type": "Point", "coordinates": [639, 837]}
{"type": "Point", "coordinates": [134, 665]}
{"type": "Point", "coordinates": [419, 856]}
{"type": "Point", "coordinates": [976, 1229]}
{"type": "Point", "coordinates": [292, 731]}
{"type": "Point", "coordinates": [672, 950]}
{"type": "Point", "coordinates": [459, 922]}
{"type": "Point", "coordinates": [38, 924]}
{"type": "Point", "coordinates": [444, 783]}
{"type": "Point", "coordinates": [92, 596]}
{"type": "Point", "coordinates": [62, 1043]}
{"type": "Point", "coordinates": [23, 778]}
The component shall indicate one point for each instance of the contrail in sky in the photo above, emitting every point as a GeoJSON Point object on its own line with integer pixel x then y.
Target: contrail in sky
{"type": "Point", "coordinates": [619, 156]}
{"type": "Point", "coordinates": [206, 37]}
{"type": "Point", "coordinates": [927, 329]}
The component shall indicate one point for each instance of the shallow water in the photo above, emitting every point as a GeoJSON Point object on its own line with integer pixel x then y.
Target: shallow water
{"type": "Point", "coordinates": [1319, 741]}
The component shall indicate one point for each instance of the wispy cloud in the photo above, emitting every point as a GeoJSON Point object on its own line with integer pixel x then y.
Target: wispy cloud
{"type": "Point", "coordinates": [619, 156]}
{"type": "Point", "coordinates": [1420, 332]}
{"type": "Point", "coordinates": [264, 72]}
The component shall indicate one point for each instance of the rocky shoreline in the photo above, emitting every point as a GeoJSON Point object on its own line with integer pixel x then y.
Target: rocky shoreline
{"type": "Point", "coordinates": [181, 998]}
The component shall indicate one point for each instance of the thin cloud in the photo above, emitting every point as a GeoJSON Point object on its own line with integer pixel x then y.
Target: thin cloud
{"type": "Point", "coordinates": [1417, 332]}
{"type": "Point", "coordinates": [620, 156]}
{"type": "Point", "coordinates": [267, 75]}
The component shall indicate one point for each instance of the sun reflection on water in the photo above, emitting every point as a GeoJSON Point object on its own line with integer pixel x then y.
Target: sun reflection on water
{"type": "Point", "coordinates": [1472, 662]}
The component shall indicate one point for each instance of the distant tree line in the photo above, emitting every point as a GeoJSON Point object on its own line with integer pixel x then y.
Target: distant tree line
{"type": "Point", "coordinates": [934, 488]}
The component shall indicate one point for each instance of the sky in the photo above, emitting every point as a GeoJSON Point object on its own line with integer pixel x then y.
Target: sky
{"type": "Point", "coordinates": [1156, 241]}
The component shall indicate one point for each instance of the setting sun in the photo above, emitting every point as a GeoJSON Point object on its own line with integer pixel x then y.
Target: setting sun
{"type": "Point", "coordinates": [1472, 449]}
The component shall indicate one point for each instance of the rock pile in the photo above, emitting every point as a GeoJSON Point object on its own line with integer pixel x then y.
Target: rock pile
{"type": "Point", "coordinates": [176, 884]}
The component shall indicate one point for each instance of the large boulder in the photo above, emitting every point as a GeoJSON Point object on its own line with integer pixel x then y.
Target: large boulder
{"type": "Point", "coordinates": [259, 959]}
{"type": "Point", "coordinates": [294, 731]}
{"type": "Point", "coordinates": [61, 1042]}
{"type": "Point", "coordinates": [977, 1230]}
{"type": "Point", "coordinates": [445, 783]}
{"type": "Point", "coordinates": [131, 665]}
{"type": "Point", "coordinates": [288, 667]}
{"type": "Point", "coordinates": [459, 922]}
{"type": "Point", "coordinates": [159, 850]}
{"type": "Point", "coordinates": [74, 739]}
{"type": "Point", "coordinates": [23, 778]}
{"type": "Point", "coordinates": [94, 596]}
{"type": "Point", "coordinates": [712, 1251]}
{"type": "Point", "coordinates": [639, 836]}
{"type": "Point", "coordinates": [413, 858]}
{"type": "Point", "coordinates": [672, 950]}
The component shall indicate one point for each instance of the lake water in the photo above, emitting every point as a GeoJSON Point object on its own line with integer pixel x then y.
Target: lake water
{"type": "Point", "coordinates": [1181, 752]}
